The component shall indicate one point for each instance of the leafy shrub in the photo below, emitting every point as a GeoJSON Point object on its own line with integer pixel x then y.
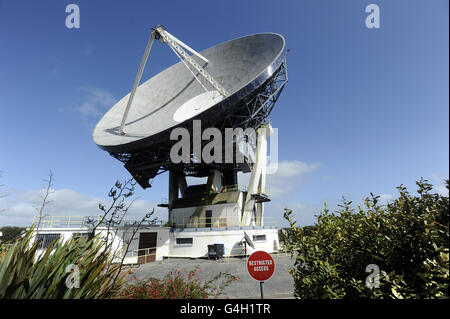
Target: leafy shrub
{"type": "Point", "coordinates": [407, 239]}
{"type": "Point", "coordinates": [177, 285]}
{"type": "Point", "coordinates": [11, 233]}
{"type": "Point", "coordinates": [26, 274]}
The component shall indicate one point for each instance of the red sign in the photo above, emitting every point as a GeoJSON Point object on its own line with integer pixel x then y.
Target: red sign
{"type": "Point", "coordinates": [260, 265]}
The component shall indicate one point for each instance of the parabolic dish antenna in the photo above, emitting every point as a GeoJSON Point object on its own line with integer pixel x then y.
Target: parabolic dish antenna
{"type": "Point", "coordinates": [173, 96]}
{"type": "Point", "coordinates": [241, 68]}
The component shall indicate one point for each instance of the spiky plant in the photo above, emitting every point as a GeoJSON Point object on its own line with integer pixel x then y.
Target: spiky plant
{"type": "Point", "coordinates": [27, 273]}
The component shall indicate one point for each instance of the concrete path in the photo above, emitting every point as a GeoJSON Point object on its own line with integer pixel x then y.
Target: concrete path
{"type": "Point", "coordinates": [281, 285]}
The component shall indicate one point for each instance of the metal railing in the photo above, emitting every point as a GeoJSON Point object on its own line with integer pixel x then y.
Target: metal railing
{"type": "Point", "coordinates": [64, 221]}
{"type": "Point", "coordinates": [82, 222]}
{"type": "Point", "coordinates": [219, 222]}
{"type": "Point", "coordinates": [147, 252]}
{"type": "Point", "coordinates": [229, 188]}
{"type": "Point", "coordinates": [151, 251]}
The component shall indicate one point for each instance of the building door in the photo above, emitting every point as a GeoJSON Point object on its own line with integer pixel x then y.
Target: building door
{"type": "Point", "coordinates": [208, 215]}
{"type": "Point", "coordinates": [147, 247]}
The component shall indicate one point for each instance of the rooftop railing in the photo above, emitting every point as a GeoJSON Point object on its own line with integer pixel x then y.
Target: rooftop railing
{"type": "Point", "coordinates": [177, 222]}
{"type": "Point", "coordinates": [219, 222]}
{"type": "Point", "coordinates": [83, 222]}
{"type": "Point", "coordinates": [64, 221]}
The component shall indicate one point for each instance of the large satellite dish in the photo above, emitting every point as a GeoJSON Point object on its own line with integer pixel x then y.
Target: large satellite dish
{"type": "Point", "coordinates": [243, 68]}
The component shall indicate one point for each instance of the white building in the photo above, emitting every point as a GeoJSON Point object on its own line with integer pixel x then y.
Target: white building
{"type": "Point", "coordinates": [152, 243]}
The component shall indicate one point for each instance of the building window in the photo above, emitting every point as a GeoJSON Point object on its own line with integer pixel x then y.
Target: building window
{"type": "Point", "coordinates": [208, 215]}
{"type": "Point", "coordinates": [259, 237]}
{"type": "Point", "coordinates": [184, 241]}
{"type": "Point", "coordinates": [46, 240]}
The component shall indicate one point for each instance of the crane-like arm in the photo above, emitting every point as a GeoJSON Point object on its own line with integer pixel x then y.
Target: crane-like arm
{"type": "Point", "coordinates": [137, 80]}
{"type": "Point", "coordinates": [177, 46]}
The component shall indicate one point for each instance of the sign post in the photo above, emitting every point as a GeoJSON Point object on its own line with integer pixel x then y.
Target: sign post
{"type": "Point", "coordinates": [261, 266]}
{"type": "Point", "coordinates": [261, 285]}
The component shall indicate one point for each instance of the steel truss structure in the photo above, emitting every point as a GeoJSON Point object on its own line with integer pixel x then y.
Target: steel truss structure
{"type": "Point", "coordinates": [251, 112]}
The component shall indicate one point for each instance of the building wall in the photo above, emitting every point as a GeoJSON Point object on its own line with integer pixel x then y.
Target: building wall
{"type": "Point", "coordinates": [162, 243]}
{"type": "Point", "coordinates": [119, 239]}
{"type": "Point", "coordinates": [167, 245]}
{"type": "Point", "coordinates": [232, 240]}
{"type": "Point", "coordinates": [222, 214]}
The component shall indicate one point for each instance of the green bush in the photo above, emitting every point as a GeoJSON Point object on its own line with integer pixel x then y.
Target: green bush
{"type": "Point", "coordinates": [24, 273]}
{"type": "Point", "coordinates": [11, 233]}
{"type": "Point", "coordinates": [177, 285]}
{"type": "Point", "coordinates": [407, 239]}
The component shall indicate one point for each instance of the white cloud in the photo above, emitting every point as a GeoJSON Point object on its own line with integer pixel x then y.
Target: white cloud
{"type": "Point", "coordinates": [196, 180]}
{"type": "Point", "coordinates": [291, 169]}
{"type": "Point", "coordinates": [385, 198]}
{"type": "Point", "coordinates": [23, 206]}
{"type": "Point", "coordinates": [289, 176]}
{"type": "Point", "coordinates": [439, 185]}
{"type": "Point", "coordinates": [96, 103]}
{"type": "Point", "coordinates": [302, 213]}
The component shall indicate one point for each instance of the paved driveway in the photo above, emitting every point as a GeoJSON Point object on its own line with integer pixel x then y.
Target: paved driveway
{"type": "Point", "coordinates": [281, 285]}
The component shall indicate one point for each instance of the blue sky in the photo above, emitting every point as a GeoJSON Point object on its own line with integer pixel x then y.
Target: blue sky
{"type": "Point", "coordinates": [365, 110]}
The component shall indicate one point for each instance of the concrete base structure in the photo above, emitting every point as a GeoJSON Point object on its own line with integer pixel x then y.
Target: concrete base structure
{"type": "Point", "coordinates": [174, 243]}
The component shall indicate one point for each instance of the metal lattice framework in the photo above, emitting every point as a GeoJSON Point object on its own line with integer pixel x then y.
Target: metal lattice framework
{"type": "Point", "coordinates": [256, 108]}
{"type": "Point", "coordinates": [252, 112]}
